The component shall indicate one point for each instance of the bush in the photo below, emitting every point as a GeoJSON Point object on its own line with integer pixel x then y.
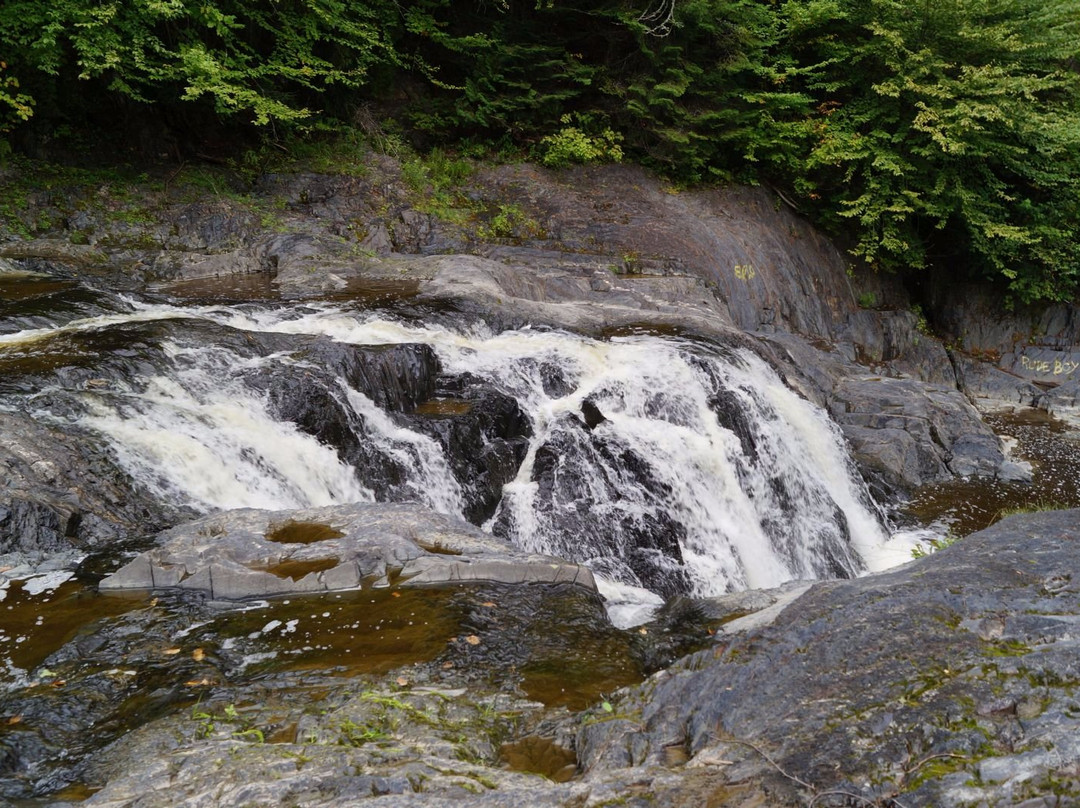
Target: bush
{"type": "Point", "coordinates": [572, 144]}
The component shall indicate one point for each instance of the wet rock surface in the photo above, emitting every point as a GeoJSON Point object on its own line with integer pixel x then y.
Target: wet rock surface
{"type": "Point", "coordinates": [904, 431]}
{"type": "Point", "coordinates": [947, 682]}
{"type": "Point", "coordinates": [608, 248]}
{"type": "Point", "coordinates": [59, 494]}
{"type": "Point", "coordinates": [178, 700]}
{"type": "Point", "coordinates": [483, 432]}
{"type": "Point", "coordinates": [251, 554]}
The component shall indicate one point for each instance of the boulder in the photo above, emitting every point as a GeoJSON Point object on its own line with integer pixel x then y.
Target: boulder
{"type": "Point", "coordinates": [484, 436]}
{"type": "Point", "coordinates": [249, 553]}
{"type": "Point", "coordinates": [945, 682]}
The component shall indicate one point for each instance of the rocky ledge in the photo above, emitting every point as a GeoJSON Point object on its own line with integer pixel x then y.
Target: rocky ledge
{"type": "Point", "coordinates": [949, 682]}
{"type": "Point", "coordinates": [251, 553]}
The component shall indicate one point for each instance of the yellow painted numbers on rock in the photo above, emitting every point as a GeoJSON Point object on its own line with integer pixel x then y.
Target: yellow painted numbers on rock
{"type": "Point", "coordinates": [745, 272]}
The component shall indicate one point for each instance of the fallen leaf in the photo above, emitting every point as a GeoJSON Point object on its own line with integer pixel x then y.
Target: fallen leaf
{"type": "Point", "coordinates": [171, 651]}
{"type": "Point", "coordinates": [395, 594]}
{"type": "Point", "coordinates": [472, 639]}
{"type": "Point", "coordinates": [402, 681]}
{"type": "Point", "coordinates": [153, 601]}
{"type": "Point", "coordinates": [642, 630]}
{"type": "Point", "coordinates": [198, 655]}
{"type": "Point", "coordinates": [488, 603]}
{"type": "Point", "coordinates": [447, 666]}
{"type": "Point", "coordinates": [15, 719]}
{"type": "Point", "coordinates": [204, 682]}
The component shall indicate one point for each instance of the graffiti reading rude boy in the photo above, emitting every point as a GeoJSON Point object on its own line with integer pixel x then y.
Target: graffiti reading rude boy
{"type": "Point", "coordinates": [1058, 367]}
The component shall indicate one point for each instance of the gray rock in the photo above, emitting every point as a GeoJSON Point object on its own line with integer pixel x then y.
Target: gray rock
{"type": "Point", "coordinates": [949, 437]}
{"type": "Point", "coordinates": [989, 387]}
{"type": "Point", "coordinates": [865, 681]}
{"type": "Point", "coordinates": [47, 501]}
{"type": "Point", "coordinates": [249, 553]}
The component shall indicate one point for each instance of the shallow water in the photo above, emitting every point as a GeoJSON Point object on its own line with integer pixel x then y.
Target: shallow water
{"type": "Point", "coordinates": [1052, 447]}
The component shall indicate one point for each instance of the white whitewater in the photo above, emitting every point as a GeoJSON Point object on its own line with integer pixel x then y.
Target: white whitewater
{"type": "Point", "coordinates": [751, 482]}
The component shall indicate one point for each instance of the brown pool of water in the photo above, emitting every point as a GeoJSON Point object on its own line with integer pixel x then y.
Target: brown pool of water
{"type": "Point", "coordinates": [644, 330]}
{"type": "Point", "coordinates": [24, 287]}
{"type": "Point", "coordinates": [367, 631]}
{"type": "Point", "coordinates": [965, 506]}
{"type": "Point", "coordinates": [297, 569]}
{"type": "Point", "coordinates": [293, 532]}
{"type": "Point", "coordinates": [261, 286]}
{"type": "Point", "coordinates": [576, 679]}
{"type": "Point", "coordinates": [34, 626]}
{"type": "Point", "coordinates": [444, 406]}
{"type": "Point", "coordinates": [542, 756]}
{"type": "Point", "coordinates": [253, 286]}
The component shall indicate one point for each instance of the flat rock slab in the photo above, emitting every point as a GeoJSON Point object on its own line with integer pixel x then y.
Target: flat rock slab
{"type": "Point", "coordinates": [948, 682]}
{"type": "Point", "coordinates": [250, 553]}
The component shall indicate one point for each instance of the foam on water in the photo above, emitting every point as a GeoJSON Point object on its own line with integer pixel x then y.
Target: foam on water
{"type": "Point", "coordinates": [702, 450]}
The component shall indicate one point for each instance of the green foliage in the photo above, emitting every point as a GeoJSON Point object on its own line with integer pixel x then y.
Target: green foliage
{"type": "Point", "coordinates": [261, 59]}
{"type": "Point", "coordinates": [1039, 506]}
{"type": "Point", "coordinates": [353, 734]}
{"type": "Point", "coordinates": [436, 184]}
{"type": "Point", "coordinates": [15, 106]}
{"type": "Point", "coordinates": [709, 100]}
{"type": "Point", "coordinates": [573, 143]}
{"type": "Point", "coordinates": [945, 132]}
{"type": "Point", "coordinates": [933, 544]}
{"type": "Point", "coordinates": [509, 69]}
{"type": "Point", "coordinates": [511, 222]}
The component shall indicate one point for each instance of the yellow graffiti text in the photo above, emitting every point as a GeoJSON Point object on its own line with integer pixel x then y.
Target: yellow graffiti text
{"type": "Point", "coordinates": [1059, 367]}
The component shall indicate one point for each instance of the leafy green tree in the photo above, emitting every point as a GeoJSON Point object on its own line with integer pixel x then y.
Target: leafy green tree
{"type": "Point", "coordinates": [266, 60]}
{"type": "Point", "coordinates": [948, 132]}
{"type": "Point", "coordinates": [508, 71]}
{"type": "Point", "coordinates": [703, 98]}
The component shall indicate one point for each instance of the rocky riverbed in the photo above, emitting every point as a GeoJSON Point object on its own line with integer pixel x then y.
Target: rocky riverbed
{"type": "Point", "coordinates": [184, 650]}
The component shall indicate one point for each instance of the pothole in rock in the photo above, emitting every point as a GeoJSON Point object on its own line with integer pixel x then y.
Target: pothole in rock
{"type": "Point", "coordinates": [543, 756]}
{"type": "Point", "coordinates": [303, 533]}
{"type": "Point", "coordinates": [296, 569]}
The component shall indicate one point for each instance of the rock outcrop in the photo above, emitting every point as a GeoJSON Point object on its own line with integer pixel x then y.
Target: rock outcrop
{"type": "Point", "coordinates": [948, 682]}
{"type": "Point", "coordinates": [255, 554]}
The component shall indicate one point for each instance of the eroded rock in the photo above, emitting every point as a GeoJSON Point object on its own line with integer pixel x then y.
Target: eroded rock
{"type": "Point", "coordinates": [241, 554]}
{"type": "Point", "coordinates": [859, 684]}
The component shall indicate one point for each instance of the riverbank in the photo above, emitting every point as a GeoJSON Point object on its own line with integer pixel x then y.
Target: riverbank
{"type": "Point", "coordinates": [553, 355]}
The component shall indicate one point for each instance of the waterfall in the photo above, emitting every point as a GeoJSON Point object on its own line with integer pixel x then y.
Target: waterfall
{"type": "Point", "coordinates": [197, 434]}
{"type": "Point", "coordinates": [671, 465]}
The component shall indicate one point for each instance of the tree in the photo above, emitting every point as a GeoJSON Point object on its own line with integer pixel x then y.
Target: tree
{"type": "Point", "coordinates": [265, 60]}
{"type": "Point", "coordinates": [946, 131]}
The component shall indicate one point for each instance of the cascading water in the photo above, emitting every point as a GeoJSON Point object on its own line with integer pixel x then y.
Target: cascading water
{"type": "Point", "coordinates": [668, 464]}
